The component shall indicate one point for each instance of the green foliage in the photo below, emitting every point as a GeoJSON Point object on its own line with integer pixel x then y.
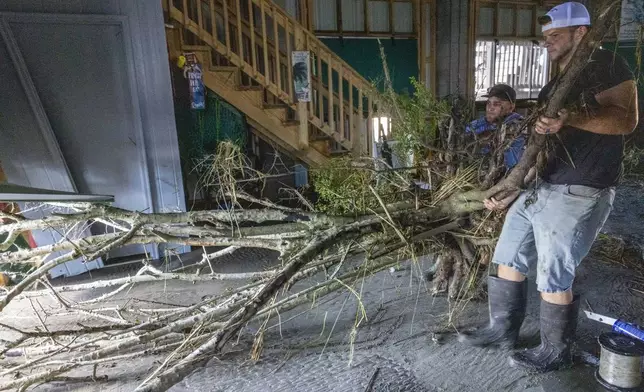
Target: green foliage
{"type": "Point", "coordinates": [633, 158]}
{"type": "Point", "coordinates": [343, 186]}
{"type": "Point", "coordinates": [415, 118]}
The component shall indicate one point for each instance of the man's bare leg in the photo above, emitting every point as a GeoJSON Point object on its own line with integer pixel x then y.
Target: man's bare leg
{"type": "Point", "coordinates": [562, 298]}
{"type": "Point", "coordinates": [509, 273]}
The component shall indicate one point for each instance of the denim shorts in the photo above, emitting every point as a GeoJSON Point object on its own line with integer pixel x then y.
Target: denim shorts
{"type": "Point", "coordinates": [554, 233]}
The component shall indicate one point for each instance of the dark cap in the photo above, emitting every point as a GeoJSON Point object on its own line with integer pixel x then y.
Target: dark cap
{"type": "Point", "coordinates": [502, 91]}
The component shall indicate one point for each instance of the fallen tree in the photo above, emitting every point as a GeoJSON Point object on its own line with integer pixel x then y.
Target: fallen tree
{"type": "Point", "coordinates": [368, 211]}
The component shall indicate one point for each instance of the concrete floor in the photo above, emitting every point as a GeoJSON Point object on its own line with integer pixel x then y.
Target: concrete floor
{"type": "Point", "coordinates": [405, 339]}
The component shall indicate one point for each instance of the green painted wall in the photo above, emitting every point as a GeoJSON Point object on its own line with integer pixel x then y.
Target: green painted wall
{"type": "Point", "coordinates": [627, 50]}
{"type": "Point", "coordinates": [364, 56]}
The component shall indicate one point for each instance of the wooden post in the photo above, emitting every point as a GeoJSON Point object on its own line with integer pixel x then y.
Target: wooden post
{"type": "Point", "coordinates": [357, 142]}
{"type": "Point", "coordinates": [200, 24]}
{"type": "Point", "coordinates": [240, 38]}
{"type": "Point", "coordinates": [213, 20]}
{"type": "Point", "coordinates": [309, 15]}
{"type": "Point", "coordinates": [278, 62]}
{"type": "Point", "coordinates": [226, 29]}
{"type": "Point", "coordinates": [420, 39]}
{"type": "Point", "coordinates": [369, 127]}
{"type": "Point", "coordinates": [351, 131]}
{"type": "Point", "coordinates": [330, 100]}
{"type": "Point", "coordinates": [253, 49]}
{"type": "Point", "coordinates": [432, 47]}
{"type": "Point", "coordinates": [341, 101]}
{"type": "Point", "coordinates": [320, 86]}
{"type": "Point", "coordinates": [186, 19]}
{"type": "Point", "coordinates": [308, 46]}
{"type": "Point", "coordinates": [289, 63]}
{"type": "Point", "coordinates": [265, 43]}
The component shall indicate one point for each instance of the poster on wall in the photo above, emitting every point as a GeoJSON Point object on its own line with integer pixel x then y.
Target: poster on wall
{"type": "Point", "coordinates": [302, 75]}
{"type": "Point", "coordinates": [192, 72]}
{"type": "Point", "coordinates": [632, 20]}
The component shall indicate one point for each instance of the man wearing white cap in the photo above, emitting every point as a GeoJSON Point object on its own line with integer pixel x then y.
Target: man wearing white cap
{"type": "Point", "coordinates": [553, 226]}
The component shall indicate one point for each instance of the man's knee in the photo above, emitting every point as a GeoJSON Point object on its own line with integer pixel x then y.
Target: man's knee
{"type": "Point", "coordinates": [510, 273]}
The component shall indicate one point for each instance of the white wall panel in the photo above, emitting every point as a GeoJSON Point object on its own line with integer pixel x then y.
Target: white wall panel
{"type": "Point", "coordinates": [403, 17]}
{"type": "Point", "coordinates": [525, 22]}
{"type": "Point", "coordinates": [325, 15]}
{"type": "Point", "coordinates": [378, 16]}
{"type": "Point", "coordinates": [353, 15]}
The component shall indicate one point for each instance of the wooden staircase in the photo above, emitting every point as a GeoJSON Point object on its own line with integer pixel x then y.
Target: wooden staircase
{"type": "Point", "coordinates": [247, 61]}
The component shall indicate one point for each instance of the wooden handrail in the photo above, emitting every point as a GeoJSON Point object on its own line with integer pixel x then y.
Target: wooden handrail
{"type": "Point", "coordinates": [257, 50]}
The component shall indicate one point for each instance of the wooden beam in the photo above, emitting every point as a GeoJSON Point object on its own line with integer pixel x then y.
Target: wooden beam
{"type": "Point", "coordinates": [371, 34]}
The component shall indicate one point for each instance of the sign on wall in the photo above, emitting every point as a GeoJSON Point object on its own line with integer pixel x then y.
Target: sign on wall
{"type": "Point", "coordinates": [632, 20]}
{"type": "Point", "coordinates": [302, 75]}
{"type": "Point", "coordinates": [193, 73]}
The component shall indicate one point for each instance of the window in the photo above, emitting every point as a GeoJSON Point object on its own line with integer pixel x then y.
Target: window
{"type": "Point", "coordinates": [507, 47]}
{"type": "Point", "coordinates": [524, 65]}
{"type": "Point", "coordinates": [364, 17]}
{"type": "Point", "coordinates": [380, 124]}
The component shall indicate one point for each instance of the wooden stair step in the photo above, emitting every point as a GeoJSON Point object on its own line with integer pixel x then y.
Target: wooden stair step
{"type": "Point", "coordinates": [196, 48]}
{"type": "Point", "coordinates": [321, 138]}
{"type": "Point", "coordinates": [249, 88]}
{"type": "Point", "coordinates": [275, 106]}
{"type": "Point", "coordinates": [221, 68]}
{"type": "Point", "coordinates": [291, 122]}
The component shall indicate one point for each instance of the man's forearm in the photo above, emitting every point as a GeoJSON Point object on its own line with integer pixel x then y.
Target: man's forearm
{"type": "Point", "coordinates": [608, 120]}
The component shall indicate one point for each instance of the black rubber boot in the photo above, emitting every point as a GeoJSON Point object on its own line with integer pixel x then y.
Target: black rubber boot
{"type": "Point", "coordinates": [558, 326]}
{"type": "Point", "coordinates": [507, 301]}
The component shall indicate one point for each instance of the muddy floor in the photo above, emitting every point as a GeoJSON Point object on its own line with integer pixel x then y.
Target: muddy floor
{"type": "Point", "coordinates": [404, 344]}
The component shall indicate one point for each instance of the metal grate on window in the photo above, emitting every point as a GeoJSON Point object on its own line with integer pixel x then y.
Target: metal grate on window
{"type": "Point", "coordinates": [524, 65]}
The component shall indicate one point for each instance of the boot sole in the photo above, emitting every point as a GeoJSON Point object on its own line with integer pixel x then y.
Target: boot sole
{"type": "Point", "coordinates": [537, 369]}
{"type": "Point", "coordinates": [464, 339]}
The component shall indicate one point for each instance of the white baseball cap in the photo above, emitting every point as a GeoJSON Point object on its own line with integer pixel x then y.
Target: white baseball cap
{"type": "Point", "coordinates": [567, 14]}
